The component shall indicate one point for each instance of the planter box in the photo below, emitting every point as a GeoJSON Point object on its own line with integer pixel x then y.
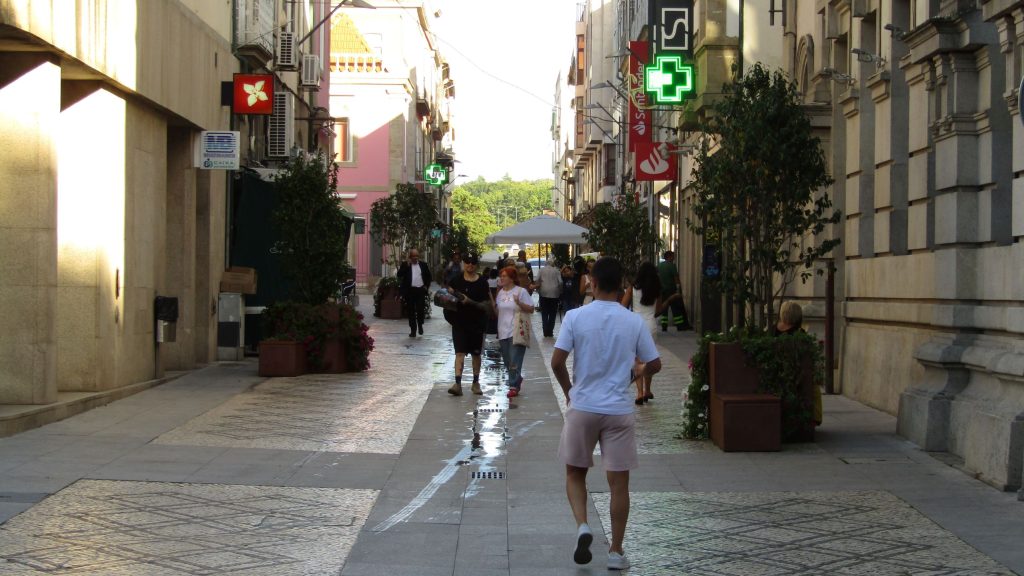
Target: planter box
{"type": "Point", "coordinates": [282, 358]}
{"type": "Point", "coordinates": [742, 419]}
{"type": "Point", "coordinates": [334, 361]}
{"type": "Point", "coordinates": [391, 308]}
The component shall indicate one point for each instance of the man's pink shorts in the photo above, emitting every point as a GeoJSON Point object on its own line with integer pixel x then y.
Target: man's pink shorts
{"type": "Point", "coordinates": [584, 430]}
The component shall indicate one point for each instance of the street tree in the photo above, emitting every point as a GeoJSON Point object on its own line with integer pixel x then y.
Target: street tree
{"type": "Point", "coordinates": [622, 229]}
{"type": "Point", "coordinates": [759, 179]}
{"type": "Point", "coordinates": [403, 220]}
{"type": "Point", "coordinates": [313, 228]}
{"type": "Point", "coordinates": [470, 214]}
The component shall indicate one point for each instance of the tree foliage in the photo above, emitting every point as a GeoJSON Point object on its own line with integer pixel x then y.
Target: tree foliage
{"type": "Point", "coordinates": [472, 220]}
{"type": "Point", "coordinates": [313, 228]}
{"type": "Point", "coordinates": [508, 202]}
{"type": "Point", "coordinates": [622, 229]}
{"type": "Point", "coordinates": [757, 179]}
{"type": "Point", "coordinates": [403, 220]}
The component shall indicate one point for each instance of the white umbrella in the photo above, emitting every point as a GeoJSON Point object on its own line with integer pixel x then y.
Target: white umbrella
{"type": "Point", "coordinates": [541, 229]}
{"type": "Point", "coordinates": [490, 257]}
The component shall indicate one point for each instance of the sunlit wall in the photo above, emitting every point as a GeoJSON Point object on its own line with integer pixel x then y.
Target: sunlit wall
{"type": "Point", "coordinates": [90, 237]}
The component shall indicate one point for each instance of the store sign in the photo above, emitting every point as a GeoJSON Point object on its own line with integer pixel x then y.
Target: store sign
{"type": "Point", "coordinates": [254, 94]}
{"type": "Point", "coordinates": [435, 174]}
{"type": "Point", "coordinates": [639, 116]}
{"type": "Point", "coordinates": [655, 161]}
{"type": "Point", "coordinates": [218, 150]}
{"type": "Point", "coordinates": [669, 80]}
{"type": "Point", "coordinates": [672, 27]}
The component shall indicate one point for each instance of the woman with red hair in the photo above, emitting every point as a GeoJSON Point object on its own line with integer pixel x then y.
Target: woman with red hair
{"type": "Point", "coordinates": [510, 298]}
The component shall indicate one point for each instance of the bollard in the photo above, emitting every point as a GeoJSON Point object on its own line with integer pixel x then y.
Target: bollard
{"type": "Point", "coordinates": [830, 322]}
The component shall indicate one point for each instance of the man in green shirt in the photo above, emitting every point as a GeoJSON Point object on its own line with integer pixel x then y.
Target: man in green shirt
{"type": "Point", "coordinates": [669, 276]}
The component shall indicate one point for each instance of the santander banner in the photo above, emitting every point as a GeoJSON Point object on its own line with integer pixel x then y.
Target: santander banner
{"type": "Point", "coordinates": [655, 161]}
{"type": "Point", "coordinates": [639, 119]}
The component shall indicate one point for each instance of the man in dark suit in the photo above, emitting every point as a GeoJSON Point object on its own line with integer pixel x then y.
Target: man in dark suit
{"type": "Point", "coordinates": [413, 282]}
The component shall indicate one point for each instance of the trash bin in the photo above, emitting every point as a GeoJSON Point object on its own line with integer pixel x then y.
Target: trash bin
{"type": "Point", "coordinates": [166, 318]}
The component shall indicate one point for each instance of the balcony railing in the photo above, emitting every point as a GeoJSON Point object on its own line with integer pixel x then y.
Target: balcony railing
{"type": "Point", "coordinates": [356, 63]}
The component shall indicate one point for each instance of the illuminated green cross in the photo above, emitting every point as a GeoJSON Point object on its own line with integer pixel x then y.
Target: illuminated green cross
{"type": "Point", "coordinates": [668, 79]}
{"type": "Point", "coordinates": [435, 174]}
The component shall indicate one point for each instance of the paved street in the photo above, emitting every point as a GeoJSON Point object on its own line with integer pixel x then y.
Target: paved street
{"type": "Point", "coordinates": [383, 473]}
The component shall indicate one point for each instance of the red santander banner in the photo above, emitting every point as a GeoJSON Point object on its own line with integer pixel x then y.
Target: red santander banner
{"type": "Point", "coordinates": [655, 161]}
{"type": "Point", "coordinates": [254, 94]}
{"type": "Point", "coordinates": [639, 118]}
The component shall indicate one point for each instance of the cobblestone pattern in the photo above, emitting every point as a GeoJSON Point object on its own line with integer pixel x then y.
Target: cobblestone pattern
{"type": "Point", "coordinates": [108, 528]}
{"type": "Point", "coordinates": [811, 533]}
{"type": "Point", "coordinates": [368, 412]}
{"type": "Point", "coordinates": [659, 422]}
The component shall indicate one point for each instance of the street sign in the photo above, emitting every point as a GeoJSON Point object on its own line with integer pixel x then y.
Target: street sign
{"type": "Point", "coordinates": [669, 80]}
{"type": "Point", "coordinates": [435, 174]}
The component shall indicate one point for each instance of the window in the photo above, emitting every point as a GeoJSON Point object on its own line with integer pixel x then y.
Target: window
{"type": "Point", "coordinates": [343, 140]}
{"type": "Point", "coordinates": [581, 45]}
{"type": "Point", "coordinates": [609, 164]}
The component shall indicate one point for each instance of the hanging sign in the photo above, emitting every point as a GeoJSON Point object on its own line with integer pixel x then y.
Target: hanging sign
{"type": "Point", "coordinates": [254, 94]}
{"type": "Point", "coordinates": [639, 116]}
{"type": "Point", "coordinates": [672, 27]}
{"type": "Point", "coordinates": [218, 150]}
{"type": "Point", "coordinates": [435, 174]}
{"type": "Point", "coordinates": [655, 161]}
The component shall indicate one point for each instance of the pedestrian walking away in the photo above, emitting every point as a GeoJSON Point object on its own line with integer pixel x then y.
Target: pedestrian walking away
{"type": "Point", "coordinates": [452, 270]}
{"type": "Point", "coordinates": [468, 321]}
{"type": "Point", "coordinates": [645, 297]}
{"type": "Point", "coordinates": [549, 285]}
{"type": "Point", "coordinates": [413, 282]}
{"type": "Point", "coordinates": [510, 299]}
{"type": "Point", "coordinates": [669, 276]}
{"type": "Point", "coordinates": [605, 338]}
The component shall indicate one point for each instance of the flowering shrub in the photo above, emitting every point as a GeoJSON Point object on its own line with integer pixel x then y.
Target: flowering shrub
{"type": "Point", "coordinates": [353, 333]}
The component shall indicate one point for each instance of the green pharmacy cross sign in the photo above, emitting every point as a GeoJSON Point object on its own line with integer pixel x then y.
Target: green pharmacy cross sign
{"type": "Point", "coordinates": [668, 79]}
{"type": "Point", "coordinates": [435, 174]}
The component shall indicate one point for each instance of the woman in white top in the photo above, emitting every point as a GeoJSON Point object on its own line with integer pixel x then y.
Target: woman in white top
{"type": "Point", "coordinates": [645, 295]}
{"type": "Point", "coordinates": [509, 298]}
{"type": "Point", "coordinates": [587, 285]}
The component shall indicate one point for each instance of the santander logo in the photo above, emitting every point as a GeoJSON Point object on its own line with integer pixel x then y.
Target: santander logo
{"type": "Point", "coordinates": [655, 162]}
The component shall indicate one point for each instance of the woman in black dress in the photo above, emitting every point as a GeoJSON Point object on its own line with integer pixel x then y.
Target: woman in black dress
{"type": "Point", "coordinates": [469, 321]}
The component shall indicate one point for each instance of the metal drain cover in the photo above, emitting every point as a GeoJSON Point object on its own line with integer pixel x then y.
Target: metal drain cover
{"type": "Point", "coordinates": [487, 475]}
{"type": "Point", "coordinates": [490, 410]}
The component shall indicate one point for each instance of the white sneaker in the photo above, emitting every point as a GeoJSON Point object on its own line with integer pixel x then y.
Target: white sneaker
{"type": "Point", "coordinates": [617, 561]}
{"type": "Point", "coordinates": [584, 537]}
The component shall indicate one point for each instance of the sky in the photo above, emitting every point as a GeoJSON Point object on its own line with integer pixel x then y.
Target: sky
{"type": "Point", "coordinates": [505, 58]}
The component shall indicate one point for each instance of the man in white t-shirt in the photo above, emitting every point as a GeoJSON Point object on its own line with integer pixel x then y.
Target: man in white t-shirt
{"type": "Point", "coordinates": [606, 339]}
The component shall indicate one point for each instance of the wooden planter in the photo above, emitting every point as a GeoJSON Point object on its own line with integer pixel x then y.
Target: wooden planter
{"type": "Point", "coordinates": [334, 361]}
{"type": "Point", "coordinates": [744, 418]}
{"type": "Point", "coordinates": [282, 358]}
{"type": "Point", "coordinates": [390, 306]}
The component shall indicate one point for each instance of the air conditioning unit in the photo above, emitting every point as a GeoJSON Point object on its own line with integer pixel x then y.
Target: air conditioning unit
{"type": "Point", "coordinates": [281, 127]}
{"type": "Point", "coordinates": [311, 71]}
{"type": "Point", "coordinates": [287, 56]}
{"type": "Point", "coordinates": [254, 29]}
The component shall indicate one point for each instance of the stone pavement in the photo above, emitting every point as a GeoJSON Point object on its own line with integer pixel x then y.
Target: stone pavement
{"type": "Point", "coordinates": [384, 473]}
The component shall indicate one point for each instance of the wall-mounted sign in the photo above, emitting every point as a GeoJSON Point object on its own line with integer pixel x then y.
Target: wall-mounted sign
{"type": "Point", "coordinates": [435, 174]}
{"type": "Point", "coordinates": [639, 116]}
{"type": "Point", "coordinates": [669, 80]}
{"type": "Point", "coordinates": [672, 27]}
{"type": "Point", "coordinates": [655, 161]}
{"type": "Point", "coordinates": [218, 150]}
{"type": "Point", "coordinates": [254, 94]}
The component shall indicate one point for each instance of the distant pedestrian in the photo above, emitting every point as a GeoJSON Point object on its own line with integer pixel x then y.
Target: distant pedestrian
{"type": "Point", "coordinates": [570, 290]}
{"type": "Point", "coordinates": [413, 282]}
{"type": "Point", "coordinates": [529, 269]}
{"type": "Point", "coordinates": [549, 285]}
{"type": "Point", "coordinates": [587, 284]}
{"type": "Point", "coordinates": [509, 299]}
{"type": "Point", "coordinates": [606, 339]}
{"type": "Point", "coordinates": [453, 269]}
{"type": "Point", "coordinates": [669, 276]}
{"type": "Point", "coordinates": [644, 295]}
{"type": "Point", "coordinates": [468, 321]}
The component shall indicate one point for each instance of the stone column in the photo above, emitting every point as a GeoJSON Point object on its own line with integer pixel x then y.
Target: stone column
{"type": "Point", "coordinates": [29, 121]}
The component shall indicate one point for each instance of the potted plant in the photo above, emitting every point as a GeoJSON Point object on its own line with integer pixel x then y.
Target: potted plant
{"type": "Point", "coordinates": [400, 221]}
{"type": "Point", "coordinates": [386, 302]}
{"type": "Point", "coordinates": [294, 337]}
{"type": "Point", "coordinates": [758, 179]}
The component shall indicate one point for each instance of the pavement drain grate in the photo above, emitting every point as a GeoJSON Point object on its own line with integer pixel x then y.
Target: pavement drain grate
{"type": "Point", "coordinates": [487, 475]}
{"type": "Point", "coordinates": [877, 460]}
{"type": "Point", "coordinates": [490, 410]}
